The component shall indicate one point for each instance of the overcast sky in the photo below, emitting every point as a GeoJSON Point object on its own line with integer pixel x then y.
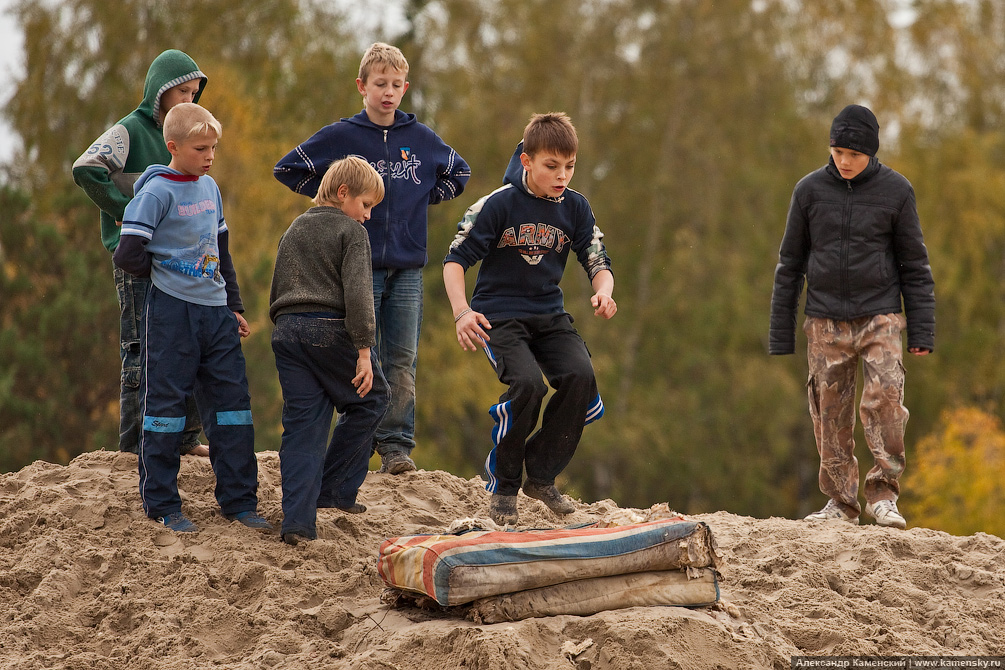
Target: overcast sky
{"type": "Point", "coordinates": [10, 68]}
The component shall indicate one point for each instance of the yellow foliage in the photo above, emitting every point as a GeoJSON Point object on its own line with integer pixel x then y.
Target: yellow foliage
{"type": "Point", "coordinates": [956, 482]}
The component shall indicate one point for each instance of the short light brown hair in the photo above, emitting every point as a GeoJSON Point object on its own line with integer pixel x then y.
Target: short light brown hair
{"type": "Point", "coordinates": [382, 56]}
{"type": "Point", "coordinates": [187, 119]}
{"type": "Point", "coordinates": [355, 173]}
{"type": "Point", "coordinates": [552, 132]}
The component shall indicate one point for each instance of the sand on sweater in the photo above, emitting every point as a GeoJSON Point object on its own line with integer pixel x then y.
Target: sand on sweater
{"type": "Point", "coordinates": [88, 582]}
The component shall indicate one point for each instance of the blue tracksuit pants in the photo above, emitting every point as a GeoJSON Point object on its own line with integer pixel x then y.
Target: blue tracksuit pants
{"type": "Point", "coordinates": [521, 349]}
{"type": "Point", "coordinates": [189, 348]}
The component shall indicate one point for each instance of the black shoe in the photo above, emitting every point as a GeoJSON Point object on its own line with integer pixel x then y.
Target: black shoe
{"type": "Point", "coordinates": [550, 496]}
{"type": "Point", "coordinates": [293, 539]}
{"type": "Point", "coordinates": [396, 462]}
{"type": "Point", "coordinates": [355, 508]}
{"type": "Point", "coordinates": [502, 510]}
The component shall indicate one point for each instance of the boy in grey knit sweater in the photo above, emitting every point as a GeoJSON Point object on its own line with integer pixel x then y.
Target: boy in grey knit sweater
{"type": "Point", "coordinates": [322, 305]}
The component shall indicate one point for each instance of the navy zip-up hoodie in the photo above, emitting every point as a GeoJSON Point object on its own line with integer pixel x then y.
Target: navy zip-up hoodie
{"type": "Point", "coordinates": [418, 169]}
{"type": "Point", "coordinates": [523, 243]}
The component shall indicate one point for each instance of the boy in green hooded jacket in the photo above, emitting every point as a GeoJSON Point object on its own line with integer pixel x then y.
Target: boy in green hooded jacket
{"type": "Point", "coordinates": [106, 172]}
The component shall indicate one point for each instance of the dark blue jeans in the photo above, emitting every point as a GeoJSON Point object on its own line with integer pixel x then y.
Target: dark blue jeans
{"type": "Point", "coordinates": [132, 292]}
{"type": "Point", "coordinates": [194, 349]}
{"type": "Point", "coordinates": [397, 305]}
{"type": "Point", "coordinates": [316, 362]}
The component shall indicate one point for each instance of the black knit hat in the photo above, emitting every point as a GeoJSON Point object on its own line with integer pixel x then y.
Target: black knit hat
{"type": "Point", "coordinates": [856, 128]}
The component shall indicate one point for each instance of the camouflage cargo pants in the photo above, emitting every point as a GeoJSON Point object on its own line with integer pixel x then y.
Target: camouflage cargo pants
{"type": "Point", "coordinates": [834, 351]}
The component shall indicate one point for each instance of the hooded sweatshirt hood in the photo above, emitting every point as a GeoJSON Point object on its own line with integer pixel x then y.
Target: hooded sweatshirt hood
{"type": "Point", "coordinates": [169, 69]}
{"type": "Point", "coordinates": [107, 169]}
{"type": "Point", "coordinates": [514, 171]}
{"type": "Point", "coordinates": [153, 171]}
{"type": "Point", "coordinates": [856, 128]}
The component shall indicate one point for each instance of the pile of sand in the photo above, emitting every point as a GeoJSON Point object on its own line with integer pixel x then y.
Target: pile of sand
{"type": "Point", "coordinates": [88, 582]}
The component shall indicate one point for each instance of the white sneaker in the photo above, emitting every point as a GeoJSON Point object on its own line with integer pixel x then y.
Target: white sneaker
{"type": "Point", "coordinates": [832, 510]}
{"type": "Point", "coordinates": [885, 513]}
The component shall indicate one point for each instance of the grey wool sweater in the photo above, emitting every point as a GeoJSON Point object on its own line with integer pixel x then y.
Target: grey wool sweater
{"type": "Point", "coordinates": [323, 265]}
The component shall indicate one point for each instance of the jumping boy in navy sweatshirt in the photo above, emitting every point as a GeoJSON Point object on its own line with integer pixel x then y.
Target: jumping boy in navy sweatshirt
{"type": "Point", "coordinates": [522, 234]}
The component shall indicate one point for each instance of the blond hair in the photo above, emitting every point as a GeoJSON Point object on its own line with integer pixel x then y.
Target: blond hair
{"type": "Point", "coordinates": [187, 119]}
{"type": "Point", "coordinates": [356, 174]}
{"type": "Point", "coordinates": [552, 132]}
{"type": "Point", "coordinates": [382, 56]}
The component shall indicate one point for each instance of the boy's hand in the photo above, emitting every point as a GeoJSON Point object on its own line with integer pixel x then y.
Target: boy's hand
{"type": "Point", "coordinates": [604, 305]}
{"type": "Point", "coordinates": [363, 381]}
{"type": "Point", "coordinates": [471, 327]}
{"type": "Point", "coordinates": [243, 329]}
{"type": "Point", "coordinates": [918, 351]}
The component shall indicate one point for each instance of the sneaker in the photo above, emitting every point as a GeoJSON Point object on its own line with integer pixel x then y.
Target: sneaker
{"type": "Point", "coordinates": [179, 523]}
{"type": "Point", "coordinates": [251, 519]}
{"type": "Point", "coordinates": [293, 539]}
{"type": "Point", "coordinates": [396, 462]}
{"type": "Point", "coordinates": [502, 510]}
{"type": "Point", "coordinates": [832, 510]}
{"type": "Point", "coordinates": [885, 513]}
{"type": "Point", "coordinates": [550, 496]}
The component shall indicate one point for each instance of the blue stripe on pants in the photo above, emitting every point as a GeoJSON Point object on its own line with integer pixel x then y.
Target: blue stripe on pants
{"type": "Point", "coordinates": [164, 424]}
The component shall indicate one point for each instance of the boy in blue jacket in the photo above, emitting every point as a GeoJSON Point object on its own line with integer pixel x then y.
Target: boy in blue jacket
{"type": "Point", "coordinates": [174, 232]}
{"type": "Point", "coordinates": [522, 234]}
{"type": "Point", "coordinates": [419, 170]}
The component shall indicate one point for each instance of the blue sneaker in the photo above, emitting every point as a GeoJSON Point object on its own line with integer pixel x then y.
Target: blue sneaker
{"type": "Point", "coordinates": [251, 519]}
{"type": "Point", "coordinates": [179, 523]}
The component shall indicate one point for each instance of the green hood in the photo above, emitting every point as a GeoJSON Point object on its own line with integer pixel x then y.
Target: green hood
{"type": "Point", "coordinates": [169, 69]}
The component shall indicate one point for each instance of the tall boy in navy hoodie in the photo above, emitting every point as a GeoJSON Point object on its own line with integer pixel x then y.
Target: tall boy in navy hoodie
{"type": "Point", "coordinates": [522, 234]}
{"type": "Point", "coordinates": [419, 170]}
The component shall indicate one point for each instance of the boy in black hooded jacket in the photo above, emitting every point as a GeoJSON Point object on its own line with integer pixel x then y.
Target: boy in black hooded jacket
{"type": "Point", "coordinates": [854, 237]}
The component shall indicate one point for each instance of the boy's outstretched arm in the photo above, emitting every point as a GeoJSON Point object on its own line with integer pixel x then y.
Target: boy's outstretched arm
{"type": "Point", "coordinates": [603, 287]}
{"type": "Point", "coordinates": [469, 325]}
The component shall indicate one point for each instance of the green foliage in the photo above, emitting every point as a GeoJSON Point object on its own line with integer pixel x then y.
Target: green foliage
{"type": "Point", "coordinates": [58, 363]}
{"type": "Point", "coordinates": [696, 119]}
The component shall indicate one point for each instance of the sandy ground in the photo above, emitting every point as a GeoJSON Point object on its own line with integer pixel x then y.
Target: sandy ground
{"type": "Point", "coordinates": [88, 582]}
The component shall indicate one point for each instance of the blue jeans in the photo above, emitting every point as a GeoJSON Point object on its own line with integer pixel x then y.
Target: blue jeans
{"type": "Point", "coordinates": [132, 292]}
{"type": "Point", "coordinates": [316, 362]}
{"type": "Point", "coordinates": [397, 306]}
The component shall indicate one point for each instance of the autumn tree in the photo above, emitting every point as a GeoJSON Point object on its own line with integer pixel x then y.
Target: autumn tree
{"type": "Point", "coordinates": [956, 476]}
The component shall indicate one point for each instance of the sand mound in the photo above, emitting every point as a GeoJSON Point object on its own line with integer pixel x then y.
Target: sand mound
{"type": "Point", "coordinates": [88, 582]}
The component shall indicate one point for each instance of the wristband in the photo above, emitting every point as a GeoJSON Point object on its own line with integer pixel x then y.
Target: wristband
{"type": "Point", "coordinates": [458, 317]}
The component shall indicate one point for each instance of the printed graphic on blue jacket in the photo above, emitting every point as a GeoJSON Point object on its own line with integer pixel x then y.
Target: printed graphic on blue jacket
{"type": "Point", "coordinates": [200, 260]}
{"type": "Point", "coordinates": [407, 168]}
{"type": "Point", "coordinates": [534, 240]}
